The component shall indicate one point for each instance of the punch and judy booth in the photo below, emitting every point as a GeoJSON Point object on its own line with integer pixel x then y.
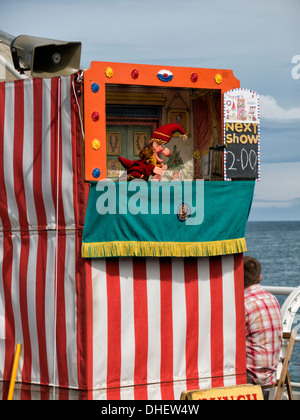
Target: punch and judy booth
{"type": "Point", "coordinates": [118, 289]}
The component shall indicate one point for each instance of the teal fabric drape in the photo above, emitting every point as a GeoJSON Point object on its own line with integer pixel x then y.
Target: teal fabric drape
{"type": "Point", "coordinates": [179, 219]}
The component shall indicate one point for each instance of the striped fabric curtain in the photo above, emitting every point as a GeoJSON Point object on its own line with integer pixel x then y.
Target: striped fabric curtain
{"type": "Point", "coordinates": [162, 326]}
{"type": "Point", "coordinates": [42, 279]}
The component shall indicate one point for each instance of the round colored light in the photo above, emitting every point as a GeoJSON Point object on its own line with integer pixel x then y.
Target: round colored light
{"type": "Point", "coordinates": [194, 77]}
{"type": "Point", "coordinates": [96, 173]}
{"type": "Point", "coordinates": [165, 75]}
{"type": "Point", "coordinates": [109, 72]}
{"type": "Point", "coordinates": [95, 116]}
{"type": "Point", "coordinates": [135, 74]}
{"type": "Point", "coordinates": [96, 144]}
{"type": "Point", "coordinates": [95, 87]}
{"type": "Point", "coordinates": [218, 79]}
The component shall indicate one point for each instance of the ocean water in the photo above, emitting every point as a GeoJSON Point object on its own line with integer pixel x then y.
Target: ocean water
{"type": "Point", "coordinates": [277, 246]}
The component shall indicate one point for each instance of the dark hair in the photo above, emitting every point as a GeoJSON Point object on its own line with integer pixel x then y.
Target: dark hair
{"type": "Point", "coordinates": [252, 271]}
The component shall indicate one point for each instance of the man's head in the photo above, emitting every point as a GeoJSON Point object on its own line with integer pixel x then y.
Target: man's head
{"type": "Point", "coordinates": [252, 271]}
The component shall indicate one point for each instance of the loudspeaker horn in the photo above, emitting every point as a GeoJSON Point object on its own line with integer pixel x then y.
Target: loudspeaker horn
{"type": "Point", "coordinates": [46, 57]}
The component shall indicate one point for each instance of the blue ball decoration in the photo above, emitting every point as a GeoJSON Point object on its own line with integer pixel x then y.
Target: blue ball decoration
{"type": "Point", "coordinates": [96, 173]}
{"type": "Point", "coordinates": [95, 87]}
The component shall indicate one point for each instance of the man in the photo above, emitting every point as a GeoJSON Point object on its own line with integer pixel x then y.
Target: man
{"type": "Point", "coordinates": [263, 327]}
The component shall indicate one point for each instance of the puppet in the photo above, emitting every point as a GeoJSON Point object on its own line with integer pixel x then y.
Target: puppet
{"type": "Point", "coordinates": [150, 162]}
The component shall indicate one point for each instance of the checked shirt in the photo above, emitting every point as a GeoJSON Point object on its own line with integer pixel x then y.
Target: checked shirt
{"type": "Point", "coordinates": [263, 335]}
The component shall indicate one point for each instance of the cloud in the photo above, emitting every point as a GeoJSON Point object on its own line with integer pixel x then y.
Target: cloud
{"type": "Point", "coordinates": [276, 211]}
{"type": "Point", "coordinates": [271, 110]}
{"type": "Point", "coordinates": [279, 182]}
{"type": "Point", "coordinates": [277, 195]}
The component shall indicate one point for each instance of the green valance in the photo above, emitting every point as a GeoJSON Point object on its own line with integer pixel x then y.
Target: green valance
{"type": "Point", "coordinates": [166, 219]}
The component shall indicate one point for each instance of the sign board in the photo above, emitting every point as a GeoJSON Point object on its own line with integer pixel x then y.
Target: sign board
{"type": "Point", "coordinates": [236, 393]}
{"type": "Point", "coordinates": [241, 134]}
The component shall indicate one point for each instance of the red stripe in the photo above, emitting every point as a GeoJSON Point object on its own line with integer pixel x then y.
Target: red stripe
{"type": "Point", "coordinates": [140, 327]}
{"type": "Point", "coordinates": [240, 362]}
{"type": "Point", "coordinates": [113, 329]}
{"type": "Point", "coordinates": [37, 152]}
{"type": "Point", "coordinates": [217, 341]}
{"type": "Point", "coordinates": [7, 252]}
{"type": "Point", "coordinates": [78, 188]}
{"type": "Point", "coordinates": [84, 319]}
{"type": "Point", "coordinates": [54, 130]}
{"type": "Point", "coordinates": [192, 322]}
{"type": "Point", "coordinates": [25, 392]}
{"type": "Point", "coordinates": [41, 217]}
{"type": "Point", "coordinates": [61, 329]}
{"type": "Point", "coordinates": [3, 201]}
{"type": "Point", "coordinates": [61, 215]}
{"type": "Point", "coordinates": [27, 351]}
{"type": "Point", "coordinates": [19, 188]}
{"type": "Point", "coordinates": [166, 370]}
{"type": "Point", "coordinates": [9, 314]}
{"type": "Point", "coordinates": [83, 271]}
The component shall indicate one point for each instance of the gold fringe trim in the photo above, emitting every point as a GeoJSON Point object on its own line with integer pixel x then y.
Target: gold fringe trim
{"type": "Point", "coordinates": [163, 249]}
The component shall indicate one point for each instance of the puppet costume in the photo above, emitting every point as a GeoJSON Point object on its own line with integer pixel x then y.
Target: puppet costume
{"type": "Point", "coordinates": [167, 131]}
{"type": "Point", "coordinates": [137, 169]}
{"type": "Point", "coordinates": [150, 154]}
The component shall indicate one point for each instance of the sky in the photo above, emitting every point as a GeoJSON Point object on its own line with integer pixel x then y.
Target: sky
{"type": "Point", "coordinates": [257, 39]}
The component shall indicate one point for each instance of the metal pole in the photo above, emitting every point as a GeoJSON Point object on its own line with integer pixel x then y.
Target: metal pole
{"type": "Point", "coordinates": [14, 372]}
{"type": "Point", "coordinates": [6, 38]}
{"type": "Point", "coordinates": [279, 290]}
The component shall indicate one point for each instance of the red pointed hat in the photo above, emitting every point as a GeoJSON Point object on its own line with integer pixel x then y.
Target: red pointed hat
{"type": "Point", "coordinates": [167, 131]}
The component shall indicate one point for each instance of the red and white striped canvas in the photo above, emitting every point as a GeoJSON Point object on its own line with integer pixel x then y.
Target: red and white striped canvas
{"type": "Point", "coordinates": [165, 325]}
{"type": "Point", "coordinates": [42, 278]}
{"type": "Point", "coordinates": [111, 328]}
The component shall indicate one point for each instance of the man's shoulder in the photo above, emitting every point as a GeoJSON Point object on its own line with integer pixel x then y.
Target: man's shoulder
{"type": "Point", "coordinates": [254, 295]}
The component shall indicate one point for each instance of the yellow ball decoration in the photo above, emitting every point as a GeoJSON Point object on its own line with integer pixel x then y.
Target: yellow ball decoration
{"type": "Point", "coordinates": [109, 72]}
{"type": "Point", "coordinates": [218, 79]}
{"type": "Point", "coordinates": [197, 154]}
{"type": "Point", "coordinates": [96, 144]}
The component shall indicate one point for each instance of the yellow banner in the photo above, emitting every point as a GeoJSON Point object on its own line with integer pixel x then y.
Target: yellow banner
{"type": "Point", "coordinates": [236, 393]}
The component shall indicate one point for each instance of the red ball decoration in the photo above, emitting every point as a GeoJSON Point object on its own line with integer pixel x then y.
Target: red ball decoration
{"type": "Point", "coordinates": [95, 116]}
{"type": "Point", "coordinates": [194, 77]}
{"type": "Point", "coordinates": [135, 74]}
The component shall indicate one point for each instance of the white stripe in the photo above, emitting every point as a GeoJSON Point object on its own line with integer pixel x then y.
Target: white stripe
{"type": "Point", "coordinates": [127, 322]}
{"type": "Point", "coordinates": [71, 305]}
{"type": "Point", "coordinates": [67, 168]}
{"type": "Point", "coordinates": [31, 300]}
{"type": "Point", "coordinates": [15, 286]}
{"type": "Point", "coordinates": [28, 154]}
{"type": "Point", "coordinates": [99, 323]}
{"type": "Point", "coordinates": [179, 319]}
{"type": "Point", "coordinates": [46, 155]}
{"type": "Point", "coordinates": [8, 164]}
{"type": "Point", "coordinates": [229, 317]}
{"type": "Point", "coordinates": [154, 319]}
{"type": "Point", "coordinates": [204, 349]}
{"type": "Point", "coordinates": [50, 306]}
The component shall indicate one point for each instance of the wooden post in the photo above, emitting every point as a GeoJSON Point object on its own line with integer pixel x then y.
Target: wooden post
{"type": "Point", "coordinates": [284, 376]}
